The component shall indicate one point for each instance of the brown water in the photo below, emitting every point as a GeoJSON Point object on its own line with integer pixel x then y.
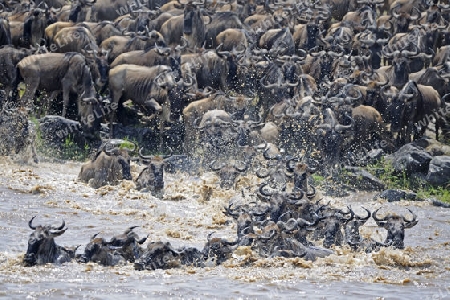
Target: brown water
{"type": "Point", "coordinates": [185, 217]}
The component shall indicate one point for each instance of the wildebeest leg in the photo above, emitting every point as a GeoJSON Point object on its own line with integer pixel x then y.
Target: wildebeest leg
{"type": "Point", "coordinates": [31, 85]}
{"type": "Point", "coordinates": [66, 86]}
{"type": "Point", "coordinates": [115, 96]}
{"type": "Point", "coordinates": [45, 103]}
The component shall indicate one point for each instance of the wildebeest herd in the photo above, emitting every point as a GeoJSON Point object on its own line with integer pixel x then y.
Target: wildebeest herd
{"type": "Point", "coordinates": [301, 82]}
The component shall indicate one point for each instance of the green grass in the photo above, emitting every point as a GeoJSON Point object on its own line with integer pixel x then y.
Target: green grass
{"type": "Point", "coordinates": [386, 173]}
{"type": "Point", "coordinates": [318, 179]}
{"type": "Point", "coordinates": [72, 151]}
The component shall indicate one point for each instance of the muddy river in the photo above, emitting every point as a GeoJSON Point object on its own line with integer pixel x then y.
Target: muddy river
{"type": "Point", "coordinates": [185, 216]}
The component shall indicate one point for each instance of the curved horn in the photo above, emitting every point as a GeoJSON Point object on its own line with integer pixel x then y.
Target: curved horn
{"type": "Point", "coordinates": [242, 167]}
{"type": "Point", "coordinates": [312, 194]}
{"type": "Point", "coordinates": [143, 156]}
{"type": "Point", "coordinates": [413, 219]}
{"type": "Point", "coordinates": [30, 223]}
{"type": "Point", "coordinates": [264, 193]}
{"type": "Point", "coordinates": [258, 173]}
{"type": "Point", "coordinates": [341, 128]}
{"type": "Point", "coordinates": [366, 218]}
{"type": "Point", "coordinates": [297, 195]}
{"type": "Point", "coordinates": [374, 216]}
{"type": "Point", "coordinates": [213, 166]}
{"type": "Point", "coordinates": [60, 227]}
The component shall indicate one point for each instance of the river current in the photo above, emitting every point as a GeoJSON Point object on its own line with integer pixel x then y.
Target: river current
{"type": "Point", "coordinates": [189, 211]}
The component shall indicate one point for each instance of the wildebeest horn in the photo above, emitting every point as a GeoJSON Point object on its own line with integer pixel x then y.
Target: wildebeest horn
{"type": "Point", "coordinates": [130, 229]}
{"type": "Point", "coordinates": [297, 195]}
{"type": "Point", "coordinates": [215, 167]}
{"type": "Point", "coordinates": [368, 215]}
{"type": "Point", "coordinates": [374, 216]}
{"type": "Point", "coordinates": [312, 194]}
{"type": "Point", "coordinates": [30, 223]}
{"type": "Point", "coordinates": [60, 227]}
{"type": "Point", "coordinates": [350, 211]}
{"type": "Point", "coordinates": [340, 128]}
{"type": "Point", "coordinates": [241, 166]}
{"type": "Point", "coordinates": [412, 222]}
{"type": "Point", "coordinates": [272, 234]}
{"type": "Point", "coordinates": [263, 192]}
{"type": "Point", "coordinates": [258, 173]}
{"type": "Point", "coordinates": [143, 156]}
{"type": "Point", "coordinates": [229, 211]}
{"type": "Point", "coordinates": [267, 156]}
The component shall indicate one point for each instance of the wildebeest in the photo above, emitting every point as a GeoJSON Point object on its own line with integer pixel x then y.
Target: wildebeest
{"type": "Point", "coordinates": [100, 251]}
{"type": "Point", "coordinates": [395, 226]}
{"type": "Point", "coordinates": [218, 249]}
{"type": "Point", "coordinates": [353, 237]}
{"type": "Point", "coordinates": [413, 108]}
{"type": "Point", "coordinates": [332, 221]}
{"type": "Point", "coordinates": [152, 177]}
{"type": "Point", "coordinates": [193, 25]}
{"type": "Point", "coordinates": [9, 57]}
{"type": "Point", "coordinates": [330, 138]}
{"type": "Point", "coordinates": [158, 255]}
{"type": "Point", "coordinates": [217, 133]}
{"type": "Point", "coordinates": [108, 167]}
{"type": "Point", "coordinates": [74, 39]}
{"type": "Point", "coordinates": [66, 73]}
{"type": "Point", "coordinates": [129, 243]}
{"type": "Point", "coordinates": [5, 32]}
{"type": "Point", "coordinates": [42, 248]}
{"type": "Point", "coordinates": [146, 87]}
{"type": "Point", "coordinates": [228, 172]}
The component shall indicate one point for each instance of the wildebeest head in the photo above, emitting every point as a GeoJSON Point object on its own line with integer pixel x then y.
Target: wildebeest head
{"type": "Point", "coordinates": [330, 137]}
{"type": "Point", "coordinates": [88, 105]}
{"type": "Point", "coordinates": [79, 10]}
{"type": "Point", "coordinates": [159, 255]}
{"type": "Point", "coordinates": [216, 128]}
{"type": "Point", "coordinates": [191, 256]}
{"type": "Point", "coordinates": [244, 129]}
{"type": "Point", "coordinates": [5, 33]}
{"type": "Point", "coordinates": [123, 158]}
{"type": "Point", "coordinates": [352, 236]}
{"type": "Point", "coordinates": [228, 172]}
{"type": "Point", "coordinates": [401, 108]}
{"type": "Point", "coordinates": [100, 251]}
{"type": "Point", "coordinates": [333, 220]}
{"type": "Point", "coordinates": [152, 177]}
{"type": "Point", "coordinates": [395, 225]}
{"type": "Point", "coordinates": [129, 242]}
{"type": "Point", "coordinates": [301, 173]}
{"type": "Point", "coordinates": [42, 248]}
{"type": "Point", "coordinates": [193, 24]}
{"type": "Point", "coordinates": [219, 249]}
{"type": "Point", "coordinates": [98, 64]}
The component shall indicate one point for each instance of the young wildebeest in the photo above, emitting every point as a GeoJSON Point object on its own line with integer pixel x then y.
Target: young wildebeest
{"type": "Point", "coordinates": [395, 225]}
{"type": "Point", "coordinates": [159, 255]}
{"type": "Point", "coordinates": [121, 248]}
{"type": "Point", "coordinates": [100, 251]}
{"type": "Point", "coordinates": [108, 167]}
{"type": "Point", "coordinates": [152, 177]}
{"type": "Point", "coordinates": [42, 248]}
